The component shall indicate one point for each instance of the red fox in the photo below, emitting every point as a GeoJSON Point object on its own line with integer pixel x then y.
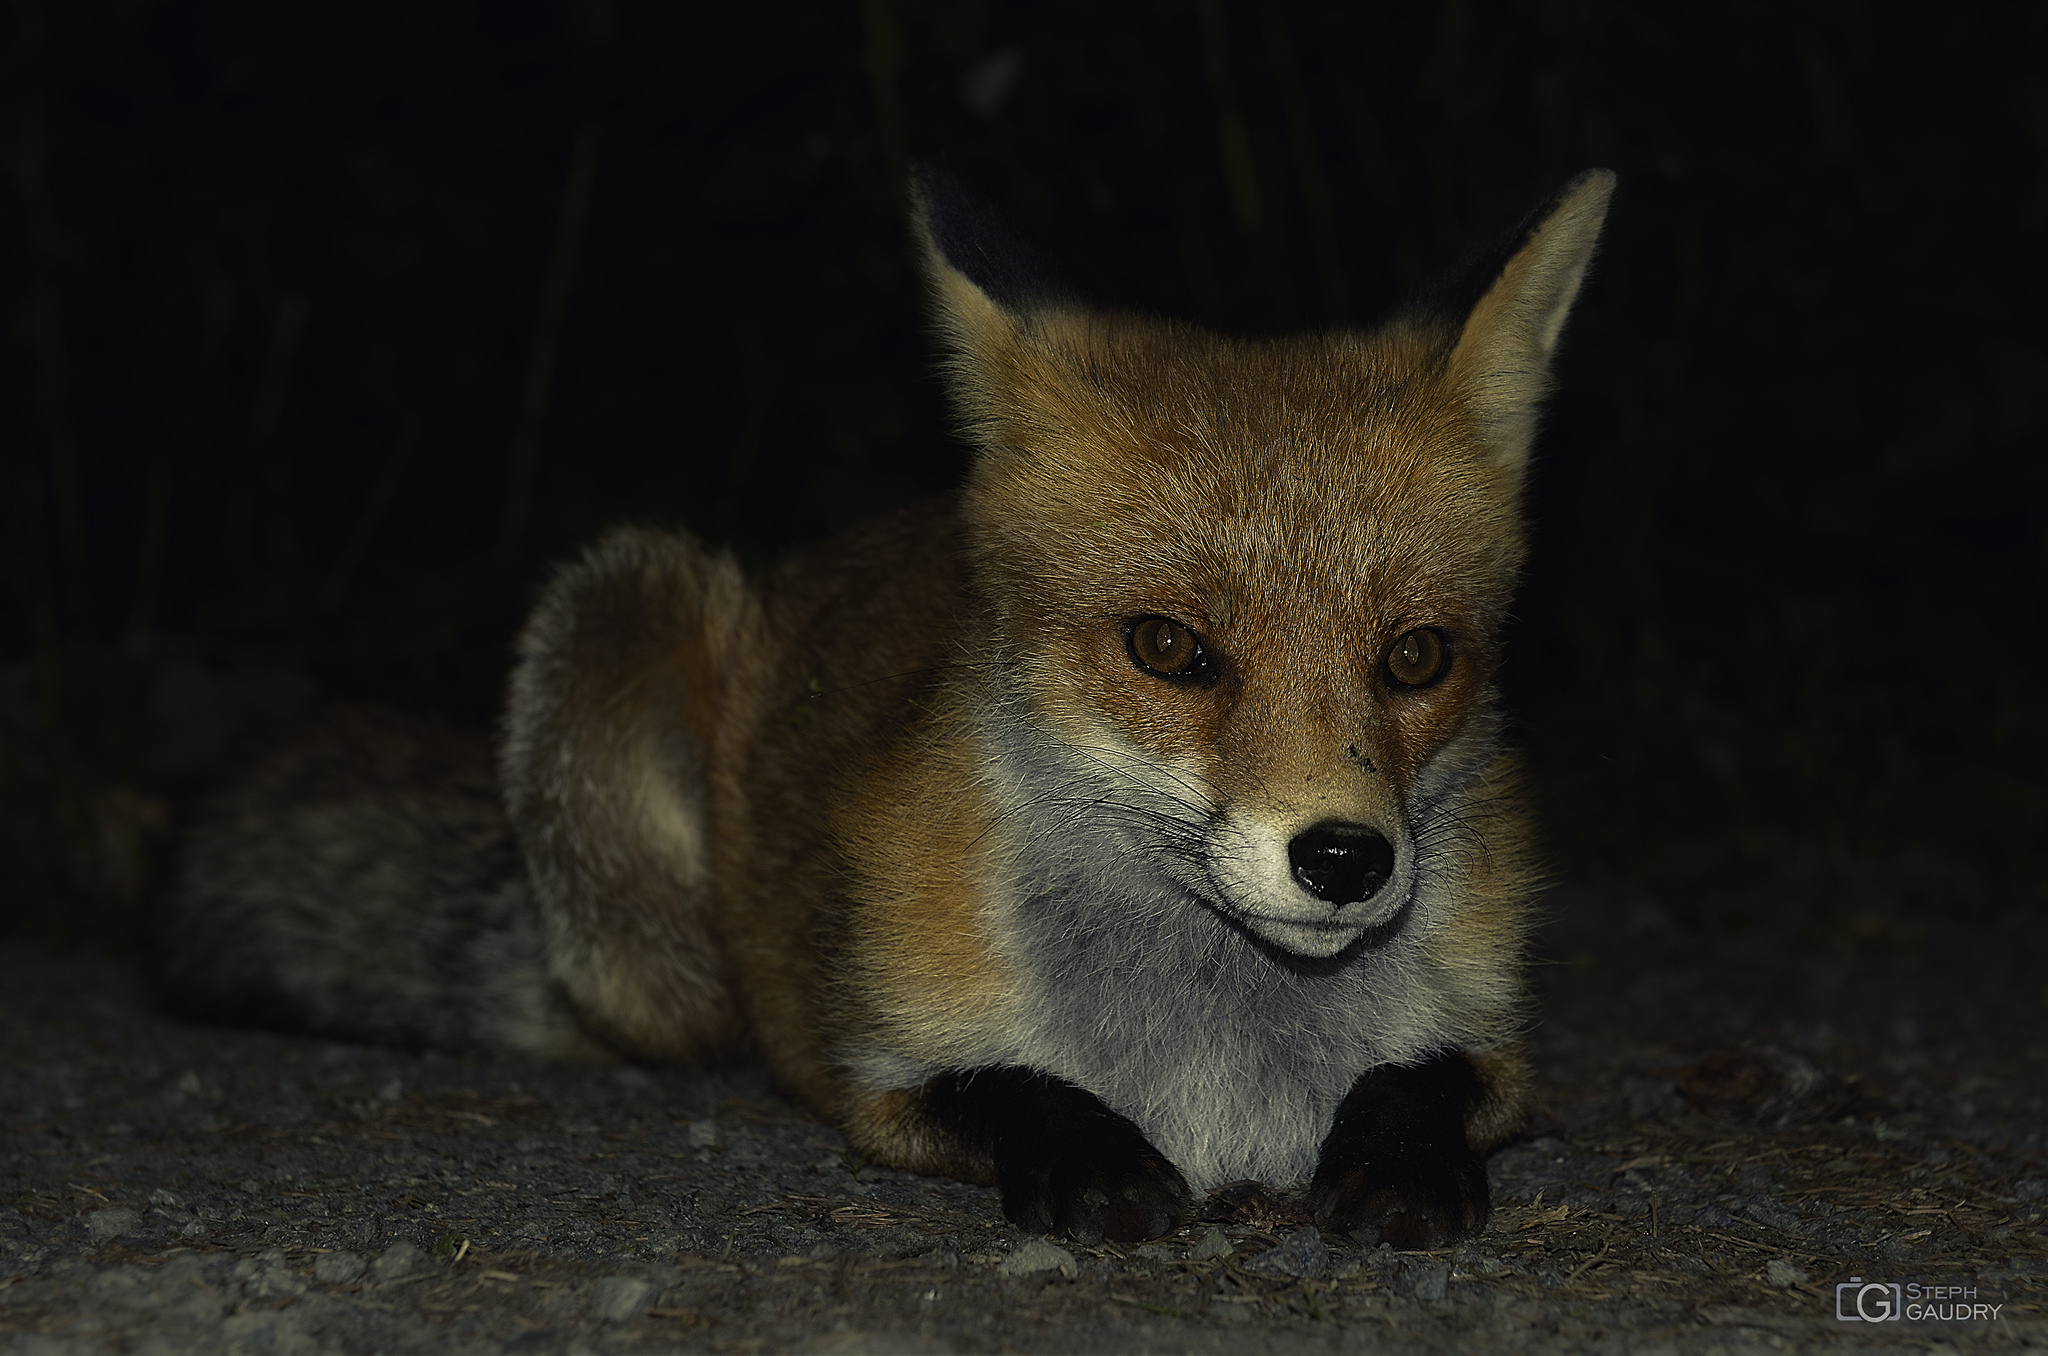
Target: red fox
{"type": "Point", "coordinates": [1136, 823]}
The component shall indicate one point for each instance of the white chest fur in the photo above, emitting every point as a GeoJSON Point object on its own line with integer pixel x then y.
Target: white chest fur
{"type": "Point", "coordinates": [1230, 1058]}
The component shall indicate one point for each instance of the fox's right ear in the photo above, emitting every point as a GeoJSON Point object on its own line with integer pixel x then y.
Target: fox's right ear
{"type": "Point", "coordinates": [1508, 304]}
{"type": "Point", "coordinates": [986, 283]}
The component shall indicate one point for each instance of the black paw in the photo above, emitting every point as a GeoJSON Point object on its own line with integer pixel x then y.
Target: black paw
{"type": "Point", "coordinates": [1396, 1166]}
{"type": "Point", "coordinates": [1116, 1187]}
{"type": "Point", "coordinates": [1066, 1163]}
{"type": "Point", "coordinates": [1408, 1203]}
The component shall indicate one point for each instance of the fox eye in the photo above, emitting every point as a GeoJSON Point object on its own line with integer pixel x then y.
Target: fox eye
{"type": "Point", "coordinates": [1165, 649]}
{"type": "Point", "coordinates": [1419, 658]}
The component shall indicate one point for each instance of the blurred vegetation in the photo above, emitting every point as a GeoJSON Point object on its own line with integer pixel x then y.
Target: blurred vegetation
{"type": "Point", "coordinates": [329, 325]}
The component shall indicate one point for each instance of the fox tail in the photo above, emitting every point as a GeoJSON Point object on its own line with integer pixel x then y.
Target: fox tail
{"type": "Point", "coordinates": [361, 880]}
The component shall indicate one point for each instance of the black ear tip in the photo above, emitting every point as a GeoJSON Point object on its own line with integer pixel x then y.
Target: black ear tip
{"type": "Point", "coordinates": [929, 181]}
{"type": "Point", "coordinates": [970, 235]}
{"type": "Point", "coordinates": [1448, 297]}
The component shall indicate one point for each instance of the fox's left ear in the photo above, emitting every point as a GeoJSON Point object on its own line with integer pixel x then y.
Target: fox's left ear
{"type": "Point", "coordinates": [1503, 353]}
{"type": "Point", "coordinates": [987, 285]}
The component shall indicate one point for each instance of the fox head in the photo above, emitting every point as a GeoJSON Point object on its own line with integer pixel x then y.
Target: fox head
{"type": "Point", "coordinates": [1259, 583]}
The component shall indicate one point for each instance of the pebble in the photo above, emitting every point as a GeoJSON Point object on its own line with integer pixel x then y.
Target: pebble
{"type": "Point", "coordinates": [1780, 1272]}
{"type": "Point", "coordinates": [618, 1298]}
{"type": "Point", "coordinates": [1771, 1213]}
{"type": "Point", "coordinates": [1034, 1255]}
{"type": "Point", "coordinates": [1425, 1281]}
{"type": "Point", "coordinates": [398, 1260]}
{"type": "Point", "coordinates": [111, 1223]}
{"type": "Point", "coordinates": [1302, 1254]}
{"type": "Point", "coordinates": [338, 1268]}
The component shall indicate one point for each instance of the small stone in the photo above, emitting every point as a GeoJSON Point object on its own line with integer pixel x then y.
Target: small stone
{"type": "Point", "coordinates": [1302, 1254]}
{"type": "Point", "coordinates": [267, 1276]}
{"type": "Point", "coordinates": [1153, 1252]}
{"type": "Point", "coordinates": [111, 1223]}
{"type": "Point", "coordinates": [1710, 1217]}
{"type": "Point", "coordinates": [338, 1268]}
{"type": "Point", "coordinates": [169, 1199]}
{"type": "Point", "coordinates": [703, 1134]}
{"type": "Point", "coordinates": [618, 1298]}
{"type": "Point", "coordinates": [1782, 1273]}
{"type": "Point", "coordinates": [398, 1260]}
{"type": "Point", "coordinates": [1215, 1243]}
{"type": "Point", "coordinates": [1771, 1213]}
{"type": "Point", "coordinates": [1468, 1257]}
{"type": "Point", "coordinates": [1034, 1255]}
{"type": "Point", "coordinates": [1426, 1280]}
{"type": "Point", "coordinates": [391, 1091]}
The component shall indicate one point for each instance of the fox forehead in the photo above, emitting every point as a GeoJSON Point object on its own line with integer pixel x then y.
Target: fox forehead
{"type": "Point", "coordinates": [1076, 380]}
{"type": "Point", "coordinates": [1207, 478]}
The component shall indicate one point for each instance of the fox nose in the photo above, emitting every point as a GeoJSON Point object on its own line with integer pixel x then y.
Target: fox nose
{"type": "Point", "coordinates": [1341, 863]}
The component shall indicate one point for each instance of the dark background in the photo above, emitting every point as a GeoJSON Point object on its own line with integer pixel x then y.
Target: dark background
{"type": "Point", "coordinates": [328, 326]}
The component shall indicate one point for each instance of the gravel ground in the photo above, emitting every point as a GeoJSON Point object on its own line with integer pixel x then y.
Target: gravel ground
{"type": "Point", "coordinates": [1750, 1098]}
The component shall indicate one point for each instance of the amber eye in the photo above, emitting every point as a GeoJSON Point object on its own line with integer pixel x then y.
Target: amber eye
{"type": "Point", "coordinates": [1419, 658]}
{"type": "Point", "coordinates": [1166, 649]}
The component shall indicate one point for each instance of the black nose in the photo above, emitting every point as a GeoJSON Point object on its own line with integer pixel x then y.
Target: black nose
{"type": "Point", "coordinates": [1341, 863]}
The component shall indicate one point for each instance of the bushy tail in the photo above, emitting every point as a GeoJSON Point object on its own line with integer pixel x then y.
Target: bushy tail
{"type": "Point", "coordinates": [361, 880]}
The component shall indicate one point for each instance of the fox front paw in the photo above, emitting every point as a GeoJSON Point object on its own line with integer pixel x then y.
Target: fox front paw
{"type": "Point", "coordinates": [1415, 1203]}
{"type": "Point", "coordinates": [1121, 1188]}
{"type": "Point", "coordinates": [1066, 1163]}
{"type": "Point", "coordinates": [1396, 1166]}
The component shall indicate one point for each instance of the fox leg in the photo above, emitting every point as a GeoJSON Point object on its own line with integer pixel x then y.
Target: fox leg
{"type": "Point", "coordinates": [1402, 1163]}
{"type": "Point", "coordinates": [1065, 1162]}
